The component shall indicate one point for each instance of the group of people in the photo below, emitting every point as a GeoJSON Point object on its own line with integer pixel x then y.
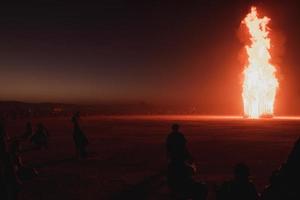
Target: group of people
{"type": "Point", "coordinates": [9, 164]}
{"type": "Point", "coordinates": [12, 170]}
{"type": "Point", "coordinates": [284, 182]}
{"type": "Point", "coordinates": [39, 138]}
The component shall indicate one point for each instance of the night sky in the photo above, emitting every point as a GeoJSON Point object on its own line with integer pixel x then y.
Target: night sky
{"type": "Point", "coordinates": [158, 52]}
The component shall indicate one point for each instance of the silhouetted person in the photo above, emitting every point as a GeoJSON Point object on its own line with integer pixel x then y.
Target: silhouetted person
{"type": "Point", "coordinates": [28, 131]}
{"type": "Point", "coordinates": [275, 191]}
{"type": "Point", "coordinates": [3, 138]}
{"type": "Point", "coordinates": [3, 160]}
{"type": "Point", "coordinates": [293, 161]}
{"type": "Point", "coordinates": [40, 137]}
{"type": "Point", "coordinates": [240, 188]}
{"type": "Point", "coordinates": [23, 172]}
{"type": "Point", "coordinates": [181, 169]}
{"type": "Point", "coordinates": [10, 184]}
{"type": "Point", "coordinates": [79, 137]}
{"type": "Point", "coordinates": [180, 178]}
{"type": "Point", "coordinates": [285, 183]}
{"type": "Point", "coordinates": [15, 153]}
{"type": "Point", "coordinates": [176, 145]}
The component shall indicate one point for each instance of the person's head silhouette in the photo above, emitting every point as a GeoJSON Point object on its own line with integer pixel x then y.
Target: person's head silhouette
{"type": "Point", "coordinates": [241, 171]}
{"type": "Point", "coordinates": [175, 127]}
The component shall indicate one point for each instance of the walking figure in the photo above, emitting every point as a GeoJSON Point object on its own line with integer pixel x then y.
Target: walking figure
{"type": "Point", "coordinates": [79, 137]}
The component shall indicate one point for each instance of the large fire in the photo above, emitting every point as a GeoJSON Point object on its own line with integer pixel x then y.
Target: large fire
{"type": "Point", "coordinates": [260, 83]}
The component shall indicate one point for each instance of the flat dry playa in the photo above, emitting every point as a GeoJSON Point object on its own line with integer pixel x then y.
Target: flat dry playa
{"type": "Point", "coordinates": [127, 154]}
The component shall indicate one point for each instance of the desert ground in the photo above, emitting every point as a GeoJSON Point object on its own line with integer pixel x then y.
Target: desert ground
{"type": "Point", "coordinates": [127, 154]}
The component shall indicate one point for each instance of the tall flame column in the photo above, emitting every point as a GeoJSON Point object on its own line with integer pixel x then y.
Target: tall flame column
{"type": "Point", "coordinates": [260, 83]}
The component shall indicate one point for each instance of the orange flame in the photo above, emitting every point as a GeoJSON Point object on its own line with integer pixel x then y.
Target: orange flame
{"type": "Point", "coordinates": [260, 83]}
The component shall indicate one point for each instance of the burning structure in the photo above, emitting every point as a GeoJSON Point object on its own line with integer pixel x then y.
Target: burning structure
{"type": "Point", "coordinates": [260, 83]}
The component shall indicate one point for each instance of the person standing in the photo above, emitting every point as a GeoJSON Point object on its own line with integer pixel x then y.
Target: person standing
{"type": "Point", "coordinates": [3, 138]}
{"type": "Point", "coordinates": [79, 137]}
{"type": "Point", "coordinates": [9, 182]}
{"type": "Point", "coordinates": [181, 168]}
{"type": "Point", "coordinates": [176, 146]}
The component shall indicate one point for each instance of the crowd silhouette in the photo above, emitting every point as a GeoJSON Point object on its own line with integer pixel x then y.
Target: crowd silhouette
{"type": "Point", "coordinates": [12, 170]}
{"type": "Point", "coordinates": [283, 183]}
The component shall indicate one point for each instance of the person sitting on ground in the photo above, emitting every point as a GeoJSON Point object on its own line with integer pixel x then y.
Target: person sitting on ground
{"type": "Point", "coordinates": [181, 168]}
{"type": "Point", "coordinates": [238, 188]}
{"type": "Point", "coordinates": [40, 138]}
{"type": "Point", "coordinates": [79, 137]}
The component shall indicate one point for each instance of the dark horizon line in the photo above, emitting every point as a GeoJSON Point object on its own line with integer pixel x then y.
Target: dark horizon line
{"type": "Point", "coordinates": [101, 103]}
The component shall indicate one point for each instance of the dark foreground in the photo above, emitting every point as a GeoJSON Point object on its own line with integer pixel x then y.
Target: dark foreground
{"type": "Point", "coordinates": [127, 155]}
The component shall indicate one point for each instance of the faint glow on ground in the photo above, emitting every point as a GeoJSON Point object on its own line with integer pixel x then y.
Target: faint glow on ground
{"type": "Point", "coordinates": [193, 118]}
